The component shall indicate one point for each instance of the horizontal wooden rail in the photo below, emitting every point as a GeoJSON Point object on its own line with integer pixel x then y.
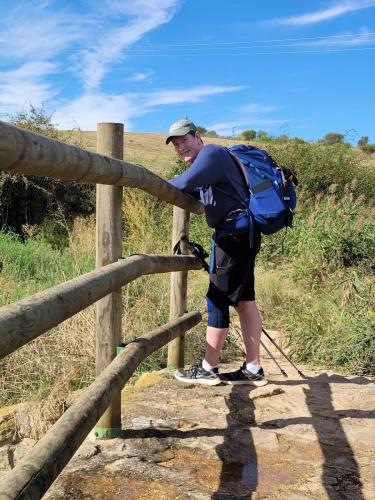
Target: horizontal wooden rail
{"type": "Point", "coordinates": [28, 318]}
{"type": "Point", "coordinates": [31, 478]}
{"type": "Point", "coordinates": [28, 153]}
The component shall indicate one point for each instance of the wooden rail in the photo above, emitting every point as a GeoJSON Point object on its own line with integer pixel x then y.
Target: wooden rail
{"type": "Point", "coordinates": [28, 318]}
{"type": "Point", "coordinates": [24, 152]}
{"type": "Point", "coordinates": [31, 478]}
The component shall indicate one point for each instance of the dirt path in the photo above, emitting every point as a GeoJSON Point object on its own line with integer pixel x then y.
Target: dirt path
{"type": "Point", "coordinates": [292, 439]}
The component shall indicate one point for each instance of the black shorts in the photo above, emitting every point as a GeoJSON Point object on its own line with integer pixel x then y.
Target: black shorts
{"type": "Point", "coordinates": [232, 275]}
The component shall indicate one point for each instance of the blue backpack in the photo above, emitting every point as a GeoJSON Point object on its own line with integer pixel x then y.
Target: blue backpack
{"type": "Point", "coordinates": [272, 197]}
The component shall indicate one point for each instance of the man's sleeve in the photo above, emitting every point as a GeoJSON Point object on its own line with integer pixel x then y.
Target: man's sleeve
{"type": "Point", "coordinates": [204, 170]}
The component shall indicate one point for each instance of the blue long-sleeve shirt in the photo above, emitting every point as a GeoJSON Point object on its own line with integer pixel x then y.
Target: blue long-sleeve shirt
{"type": "Point", "coordinates": [218, 181]}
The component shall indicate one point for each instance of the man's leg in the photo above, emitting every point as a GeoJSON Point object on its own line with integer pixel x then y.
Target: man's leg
{"type": "Point", "coordinates": [206, 372]}
{"type": "Point", "coordinates": [215, 338]}
{"type": "Point", "coordinates": [251, 327]}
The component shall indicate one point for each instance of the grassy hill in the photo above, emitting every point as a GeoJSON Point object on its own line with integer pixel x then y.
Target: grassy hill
{"type": "Point", "coordinates": [148, 149]}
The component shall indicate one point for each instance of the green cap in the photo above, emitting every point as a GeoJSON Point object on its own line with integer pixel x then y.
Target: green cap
{"type": "Point", "coordinates": [179, 128]}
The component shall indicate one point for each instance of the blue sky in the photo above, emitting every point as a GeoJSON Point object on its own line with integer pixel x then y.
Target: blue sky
{"type": "Point", "coordinates": [303, 68]}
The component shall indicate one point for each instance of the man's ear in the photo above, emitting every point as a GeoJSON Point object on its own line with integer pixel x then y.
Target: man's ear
{"type": "Point", "coordinates": [197, 134]}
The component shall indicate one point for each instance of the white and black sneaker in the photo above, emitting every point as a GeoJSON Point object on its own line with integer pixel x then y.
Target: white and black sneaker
{"type": "Point", "coordinates": [198, 375]}
{"type": "Point", "coordinates": [244, 376]}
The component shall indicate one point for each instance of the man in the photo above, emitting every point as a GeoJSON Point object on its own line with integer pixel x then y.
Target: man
{"type": "Point", "coordinates": [214, 176]}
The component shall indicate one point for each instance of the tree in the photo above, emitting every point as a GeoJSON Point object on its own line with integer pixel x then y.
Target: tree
{"type": "Point", "coordinates": [261, 135]}
{"type": "Point", "coordinates": [211, 133]}
{"type": "Point", "coordinates": [249, 135]}
{"type": "Point", "coordinates": [363, 141]}
{"type": "Point", "coordinates": [201, 130]}
{"type": "Point", "coordinates": [283, 138]}
{"type": "Point", "coordinates": [333, 138]}
{"type": "Point", "coordinates": [32, 200]}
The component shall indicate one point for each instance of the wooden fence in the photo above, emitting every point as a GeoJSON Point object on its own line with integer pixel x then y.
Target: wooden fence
{"type": "Point", "coordinates": [31, 154]}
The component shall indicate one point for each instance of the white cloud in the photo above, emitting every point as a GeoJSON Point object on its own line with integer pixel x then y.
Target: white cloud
{"type": "Point", "coordinates": [257, 108]}
{"type": "Point", "coordinates": [25, 84]}
{"type": "Point", "coordinates": [239, 125]}
{"type": "Point", "coordinates": [336, 10]}
{"type": "Point", "coordinates": [174, 96]}
{"type": "Point", "coordinates": [89, 109]}
{"type": "Point", "coordinates": [93, 107]}
{"type": "Point", "coordinates": [145, 16]}
{"type": "Point", "coordinates": [37, 31]}
{"type": "Point", "coordinates": [342, 41]}
{"type": "Point", "coordinates": [140, 77]}
{"type": "Point", "coordinates": [249, 116]}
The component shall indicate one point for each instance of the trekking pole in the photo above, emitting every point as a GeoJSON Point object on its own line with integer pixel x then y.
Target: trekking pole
{"type": "Point", "coordinates": [267, 351]}
{"type": "Point", "coordinates": [283, 353]}
{"type": "Point", "coordinates": [273, 359]}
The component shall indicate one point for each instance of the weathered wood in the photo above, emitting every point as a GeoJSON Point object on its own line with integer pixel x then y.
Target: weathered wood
{"type": "Point", "coordinates": [178, 292]}
{"type": "Point", "coordinates": [31, 478]}
{"type": "Point", "coordinates": [28, 318]}
{"type": "Point", "coordinates": [24, 152]}
{"type": "Point", "coordinates": [110, 142]}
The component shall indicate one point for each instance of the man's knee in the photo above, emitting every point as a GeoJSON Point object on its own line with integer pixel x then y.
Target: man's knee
{"type": "Point", "coordinates": [246, 306]}
{"type": "Point", "coordinates": [218, 317]}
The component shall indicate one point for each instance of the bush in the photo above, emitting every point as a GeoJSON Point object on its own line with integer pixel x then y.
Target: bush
{"type": "Point", "coordinates": [327, 235]}
{"type": "Point", "coordinates": [322, 169]}
{"type": "Point", "coordinates": [249, 135]}
{"type": "Point", "coordinates": [333, 138]}
{"type": "Point", "coordinates": [30, 200]}
{"type": "Point", "coordinates": [368, 148]}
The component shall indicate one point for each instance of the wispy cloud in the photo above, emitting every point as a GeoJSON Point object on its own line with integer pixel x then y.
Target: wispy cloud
{"type": "Point", "coordinates": [140, 17]}
{"type": "Point", "coordinates": [94, 107]}
{"type": "Point", "coordinates": [37, 30]}
{"type": "Point", "coordinates": [174, 96]}
{"type": "Point", "coordinates": [26, 84]}
{"type": "Point", "coordinates": [140, 77]}
{"type": "Point", "coordinates": [318, 16]}
{"type": "Point", "coordinates": [250, 116]}
{"type": "Point", "coordinates": [239, 125]}
{"type": "Point", "coordinates": [87, 110]}
{"type": "Point", "coordinates": [341, 41]}
{"type": "Point", "coordinates": [255, 108]}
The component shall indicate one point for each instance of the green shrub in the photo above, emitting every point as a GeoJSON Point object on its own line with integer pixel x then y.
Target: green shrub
{"type": "Point", "coordinates": [30, 200]}
{"type": "Point", "coordinates": [327, 235]}
{"type": "Point", "coordinates": [325, 168]}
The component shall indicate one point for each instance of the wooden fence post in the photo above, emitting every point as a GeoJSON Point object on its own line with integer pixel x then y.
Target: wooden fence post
{"type": "Point", "coordinates": [178, 288]}
{"type": "Point", "coordinates": [110, 142]}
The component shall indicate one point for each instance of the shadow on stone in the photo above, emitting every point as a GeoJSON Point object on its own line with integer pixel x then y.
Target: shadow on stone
{"type": "Point", "coordinates": [239, 474]}
{"type": "Point", "coordinates": [340, 472]}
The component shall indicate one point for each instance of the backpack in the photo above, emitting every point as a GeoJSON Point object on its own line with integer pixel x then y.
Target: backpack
{"type": "Point", "coordinates": [272, 197]}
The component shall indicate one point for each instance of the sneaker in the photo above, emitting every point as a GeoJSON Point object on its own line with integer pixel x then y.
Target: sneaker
{"type": "Point", "coordinates": [244, 376]}
{"type": "Point", "coordinates": [198, 375]}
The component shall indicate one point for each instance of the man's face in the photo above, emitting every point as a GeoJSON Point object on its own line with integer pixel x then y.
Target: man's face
{"type": "Point", "coordinates": [187, 146]}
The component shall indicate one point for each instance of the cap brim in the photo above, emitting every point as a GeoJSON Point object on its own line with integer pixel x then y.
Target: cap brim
{"type": "Point", "coordinates": [180, 133]}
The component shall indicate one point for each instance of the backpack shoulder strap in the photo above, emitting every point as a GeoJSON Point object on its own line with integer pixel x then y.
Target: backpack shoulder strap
{"type": "Point", "coordinates": [238, 162]}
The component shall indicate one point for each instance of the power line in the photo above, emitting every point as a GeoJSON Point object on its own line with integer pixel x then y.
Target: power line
{"type": "Point", "coordinates": [256, 41]}
{"type": "Point", "coordinates": [241, 45]}
{"type": "Point", "coordinates": [322, 51]}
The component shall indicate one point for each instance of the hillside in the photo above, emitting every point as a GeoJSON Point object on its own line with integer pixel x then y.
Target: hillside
{"type": "Point", "coordinates": [150, 150]}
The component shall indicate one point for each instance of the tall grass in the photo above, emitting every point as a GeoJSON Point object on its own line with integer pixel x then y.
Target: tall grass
{"type": "Point", "coordinates": [48, 369]}
{"type": "Point", "coordinates": [319, 285]}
